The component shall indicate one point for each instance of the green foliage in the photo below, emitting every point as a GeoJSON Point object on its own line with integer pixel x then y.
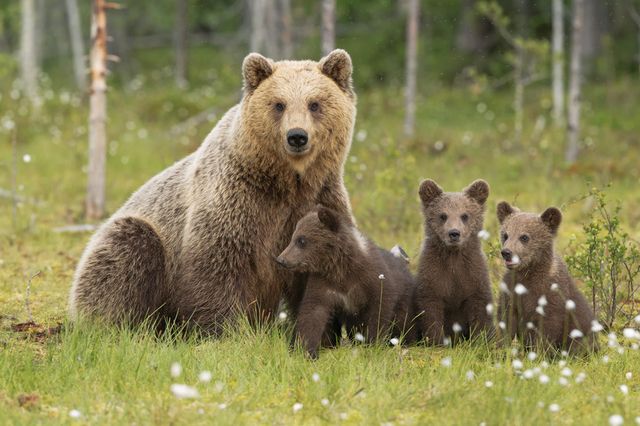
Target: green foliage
{"type": "Point", "coordinates": [608, 261]}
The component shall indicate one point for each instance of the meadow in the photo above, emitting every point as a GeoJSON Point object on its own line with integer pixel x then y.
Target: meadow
{"type": "Point", "coordinates": [92, 374]}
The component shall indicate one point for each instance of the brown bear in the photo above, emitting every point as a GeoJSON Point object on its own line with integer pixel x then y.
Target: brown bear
{"type": "Point", "coordinates": [538, 297]}
{"type": "Point", "coordinates": [453, 286]}
{"type": "Point", "coordinates": [197, 241]}
{"type": "Point", "coordinates": [351, 281]}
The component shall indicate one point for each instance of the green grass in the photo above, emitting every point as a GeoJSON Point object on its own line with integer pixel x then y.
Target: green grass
{"type": "Point", "coordinates": [117, 376]}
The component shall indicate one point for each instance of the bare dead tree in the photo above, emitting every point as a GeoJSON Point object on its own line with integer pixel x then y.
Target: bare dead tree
{"type": "Point", "coordinates": [328, 26]}
{"type": "Point", "coordinates": [29, 65]}
{"type": "Point", "coordinates": [558, 62]}
{"type": "Point", "coordinates": [77, 44]}
{"type": "Point", "coordinates": [181, 43]}
{"type": "Point", "coordinates": [413, 14]}
{"type": "Point", "coordinates": [258, 25]}
{"type": "Point", "coordinates": [286, 36]}
{"type": "Point", "coordinates": [575, 82]}
{"type": "Point", "coordinates": [96, 172]}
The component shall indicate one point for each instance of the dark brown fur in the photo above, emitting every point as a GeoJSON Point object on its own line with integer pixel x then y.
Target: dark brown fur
{"type": "Point", "coordinates": [453, 279]}
{"type": "Point", "coordinates": [530, 237]}
{"type": "Point", "coordinates": [344, 281]}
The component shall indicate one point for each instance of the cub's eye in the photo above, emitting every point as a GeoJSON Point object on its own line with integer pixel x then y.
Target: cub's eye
{"type": "Point", "coordinates": [464, 217]}
{"type": "Point", "coordinates": [443, 217]}
{"type": "Point", "coordinates": [314, 107]}
{"type": "Point", "coordinates": [524, 238]}
{"type": "Point", "coordinates": [301, 242]}
{"type": "Point", "coordinates": [505, 237]}
{"type": "Point", "coordinates": [279, 107]}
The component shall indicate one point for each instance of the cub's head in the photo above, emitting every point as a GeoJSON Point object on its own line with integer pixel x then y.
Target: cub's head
{"type": "Point", "coordinates": [314, 241]}
{"type": "Point", "coordinates": [300, 111]}
{"type": "Point", "coordinates": [526, 237]}
{"type": "Point", "coordinates": [453, 217]}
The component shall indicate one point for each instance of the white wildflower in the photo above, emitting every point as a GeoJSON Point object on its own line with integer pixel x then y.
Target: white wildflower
{"type": "Point", "coordinates": [516, 364]}
{"type": "Point", "coordinates": [75, 414]}
{"type": "Point", "coordinates": [381, 277]}
{"type": "Point", "coordinates": [222, 406]}
{"type": "Point", "coordinates": [610, 399]}
{"type": "Point", "coordinates": [596, 327]}
{"type": "Point", "coordinates": [540, 310]}
{"type": "Point", "coordinates": [554, 408]}
{"type": "Point", "coordinates": [184, 391]}
{"type": "Point", "coordinates": [446, 341]}
{"type": "Point", "coordinates": [359, 337]}
{"type": "Point", "coordinates": [564, 354]}
{"type": "Point", "coordinates": [324, 402]}
{"type": "Point", "coordinates": [489, 308]}
{"type": "Point", "coordinates": [605, 359]}
{"type": "Point", "coordinates": [630, 333]}
{"type": "Point", "coordinates": [624, 389]}
{"type": "Point", "coordinates": [576, 334]}
{"type": "Point", "coordinates": [176, 369]}
{"type": "Point", "coordinates": [504, 287]}
{"type": "Point", "coordinates": [26, 158]}
{"type": "Point", "coordinates": [638, 418]}
{"type": "Point", "coordinates": [637, 319]}
{"type": "Point", "coordinates": [570, 305]}
{"type": "Point", "coordinates": [544, 379]}
{"type": "Point", "coordinates": [520, 289]}
{"type": "Point", "coordinates": [205, 376]}
{"type": "Point", "coordinates": [457, 328]}
{"type": "Point", "coordinates": [446, 362]}
{"type": "Point", "coordinates": [315, 377]}
{"type": "Point", "coordinates": [530, 325]}
{"type": "Point", "coordinates": [470, 375]}
{"type": "Point", "coordinates": [628, 375]}
{"type": "Point", "coordinates": [502, 325]}
{"type": "Point", "coordinates": [562, 363]}
{"type": "Point", "coordinates": [563, 381]}
{"type": "Point", "coordinates": [282, 316]}
{"type": "Point", "coordinates": [528, 374]}
{"type": "Point", "coordinates": [484, 234]}
{"type": "Point", "coordinates": [555, 287]}
{"type": "Point", "coordinates": [297, 407]}
{"type": "Point", "coordinates": [580, 377]}
{"type": "Point", "coordinates": [616, 420]}
{"type": "Point", "coordinates": [532, 356]}
{"type": "Point", "coordinates": [394, 341]}
{"type": "Point", "coordinates": [488, 383]}
{"type": "Point", "coordinates": [542, 300]}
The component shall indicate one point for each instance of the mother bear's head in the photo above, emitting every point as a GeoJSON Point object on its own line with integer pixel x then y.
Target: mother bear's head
{"type": "Point", "coordinates": [299, 113]}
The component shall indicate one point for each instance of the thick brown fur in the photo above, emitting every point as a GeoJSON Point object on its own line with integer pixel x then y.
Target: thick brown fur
{"type": "Point", "coordinates": [530, 237]}
{"type": "Point", "coordinates": [345, 284]}
{"type": "Point", "coordinates": [197, 241]}
{"type": "Point", "coordinates": [453, 279]}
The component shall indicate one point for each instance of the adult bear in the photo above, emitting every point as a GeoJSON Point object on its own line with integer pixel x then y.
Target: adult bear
{"type": "Point", "coordinates": [198, 241]}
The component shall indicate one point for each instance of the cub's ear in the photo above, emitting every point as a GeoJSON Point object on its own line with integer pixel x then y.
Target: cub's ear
{"type": "Point", "coordinates": [255, 69]}
{"type": "Point", "coordinates": [429, 191]}
{"type": "Point", "coordinates": [337, 66]}
{"type": "Point", "coordinates": [504, 210]}
{"type": "Point", "coordinates": [478, 190]}
{"type": "Point", "coordinates": [552, 217]}
{"type": "Point", "coordinates": [328, 218]}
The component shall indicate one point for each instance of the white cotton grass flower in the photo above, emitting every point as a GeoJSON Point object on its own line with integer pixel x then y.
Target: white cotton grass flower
{"type": "Point", "coordinates": [528, 374]}
{"type": "Point", "coordinates": [75, 414]}
{"type": "Point", "coordinates": [580, 377]}
{"type": "Point", "coordinates": [359, 337]}
{"type": "Point", "coordinates": [610, 399]}
{"type": "Point", "coordinates": [484, 234]}
{"type": "Point", "coordinates": [324, 402]}
{"type": "Point", "coordinates": [446, 341]}
{"type": "Point", "coordinates": [596, 327]}
{"type": "Point", "coordinates": [516, 364]}
{"type": "Point", "coordinates": [530, 325]}
{"type": "Point", "coordinates": [616, 420]}
{"type": "Point", "coordinates": [457, 328]}
{"type": "Point", "coordinates": [520, 289]}
{"type": "Point", "coordinates": [503, 287]}
{"type": "Point", "coordinates": [554, 408]}
{"type": "Point", "coordinates": [544, 379]}
{"type": "Point", "coordinates": [628, 375]}
{"type": "Point", "coordinates": [605, 359]}
{"type": "Point", "coordinates": [566, 372]}
{"type": "Point", "coordinates": [381, 277]}
{"type": "Point", "coordinates": [282, 316]}
{"type": "Point", "coordinates": [637, 319]}
{"type": "Point", "coordinates": [542, 301]}
{"type": "Point", "coordinates": [540, 310]}
{"type": "Point", "coordinates": [205, 376]}
{"type": "Point", "coordinates": [26, 158]}
{"type": "Point", "coordinates": [219, 386]}
{"type": "Point", "coordinates": [222, 406]}
{"type": "Point", "coordinates": [564, 354]}
{"type": "Point", "coordinates": [488, 384]}
{"type": "Point", "coordinates": [562, 363]}
{"type": "Point", "coordinates": [315, 377]}
{"type": "Point", "coordinates": [531, 356]}
{"type": "Point", "coordinates": [446, 362]}
{"type": "Point", "coordinates": [576, 334]}
{"type": "Point", "coordinates": [563, 381]}
{"type": "Point", "coordinates": [570, 305]}
{"type": "Point", "coordinates": [297, 407]}
{"type": "Point", "coordinates": [624, 389]}
{"type": "Point", "coordinates": [176, 370]}
{"type": "Point", "coordinates": [470, 375]}
{"type": "Point", "coordinates": [502, 325]}
{"type": "Point", "coordinates": [638, 420]}
{"type": "Point", "coordinates": [184, 391]}
{"type": "Point", "coordinates": [555, 287]}
{"type": "Point", "coordinates": [394, 341]}
{"type": "Point", "coordinates": [631, 333]}
{"type": "Point", "coordinates": [489, 308]}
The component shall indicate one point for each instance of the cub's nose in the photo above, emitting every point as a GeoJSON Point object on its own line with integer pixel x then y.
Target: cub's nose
{"type": "Point", "coordinates": [280, 261]}
{"type": "Point", "coordinates": [454, 235]}
{"type": "Point", "coordinates": [506, 255]}
{"type": "Point", "coordinates": [297, 138]}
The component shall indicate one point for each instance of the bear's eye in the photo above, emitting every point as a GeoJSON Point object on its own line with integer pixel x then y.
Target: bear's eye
{"type": "Point", "coordinates": [464, 217]}
{"type": "Point", "coordinates": [279, 106]}
{"type": "Point", "coordinates": [443, 217]}
{"type": "Point", "coordinates": [524, 238]}
{"type": "Point", "coordinates": [301, 242]}
{"type": "Point", "coordinates": [505, 237]}
{"type": "Point", "coordinates": [314, 107]}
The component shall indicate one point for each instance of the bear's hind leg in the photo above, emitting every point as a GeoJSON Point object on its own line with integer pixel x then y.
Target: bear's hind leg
{"type": "Point", "coordinates": [122, 277]}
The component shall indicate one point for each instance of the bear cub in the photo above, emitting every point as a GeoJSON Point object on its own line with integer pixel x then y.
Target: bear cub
{"type": "Point", "coordinates": [351, 281]}
{"type": "Point", "coordinates": [540, 302]}
{"type": "Point", "coordinates": [453, 286]}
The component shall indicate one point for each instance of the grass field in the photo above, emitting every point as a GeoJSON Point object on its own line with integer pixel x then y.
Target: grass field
{"type": "Point", "coordinates": [116, 376]}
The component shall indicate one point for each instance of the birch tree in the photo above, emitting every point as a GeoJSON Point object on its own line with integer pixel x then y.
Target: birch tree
{"type": "Point", "coordinates": [286, 36]}
{"type": "Point", "coordinates": [181, 43]}
{"type": "Point", "coordinates": [558, 62]}
{"type": "Point", "coordinates": [575, 81]}
{"type": "Point", "coordinates": [29, 66]}
{"type": "Point", "coordinates": [77, 44]}
{"type": "Point", "coordinates": [258, 25]}
{"type": "Point", "coordinates": [328, 26]}
{"type": "Point", "coordinates": [635, 15]}
{"type": "Point", "coordinates": [413, 13]}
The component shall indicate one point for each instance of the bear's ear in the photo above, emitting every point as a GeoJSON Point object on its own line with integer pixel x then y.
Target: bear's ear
{"type": "Point", "coordinates": [504, 210]}
{"type": "Point", "coordinates": [552, 217]}
{"type": "Point", "coordinates": [328, 218]}
{"type": "Point", "coordinates": [478, 190]}
{"type": "Point", "coordinates": [337, 66]}
{"type": "Point", "coordinates": [429, 191]}
{"type": "Point", "coordinates": [255, 69]}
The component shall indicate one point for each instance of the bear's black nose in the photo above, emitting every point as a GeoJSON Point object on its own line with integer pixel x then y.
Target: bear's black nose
{"type": "Point", "coordinates": [506, 254]}
{"type": "Point", "coordinates": [454, 235]}
{"type": "Point", "coordinates": [297, 138]}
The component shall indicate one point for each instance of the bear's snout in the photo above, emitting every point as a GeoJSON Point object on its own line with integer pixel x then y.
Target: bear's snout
{"type": "Point", "coordinates": [297, 139]}
{"type": "Point", "coordinates": [506, 255]}
{"type": "Point", "coordinates": [454, 235]}
{"type": "Point", "coordinates": [280, 261]}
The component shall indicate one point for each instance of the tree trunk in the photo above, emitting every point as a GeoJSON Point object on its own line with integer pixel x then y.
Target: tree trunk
{"type": "Point", "coordinates": [328, 26]}
{"type": "Point", "coordinates": [77, 44]}
{"type": "Point", "coordinates": [575, 80]}
{"type": "Point", "coordinates": [558, 62]}
{"type": "Point", "coordinates": [97, 114]}
{"type": "Point", "coordinates": [258, 29]}
{"type": "Point", "coordinates": [412, 66]}
{"type": "Point", "coordinates": [29, 66]}
{"type": "Point", "coordinates": [181, 43]}
{"type": "Point", "coordinates": [286, 38]}
{"type": "Point", "coordinates": [635, 15]}
{"type": "Point", "coordinates": [272, 33]}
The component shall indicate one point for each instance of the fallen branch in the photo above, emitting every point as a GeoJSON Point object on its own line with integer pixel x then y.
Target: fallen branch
{"type": "Point", "coordinates": [85, 227]}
